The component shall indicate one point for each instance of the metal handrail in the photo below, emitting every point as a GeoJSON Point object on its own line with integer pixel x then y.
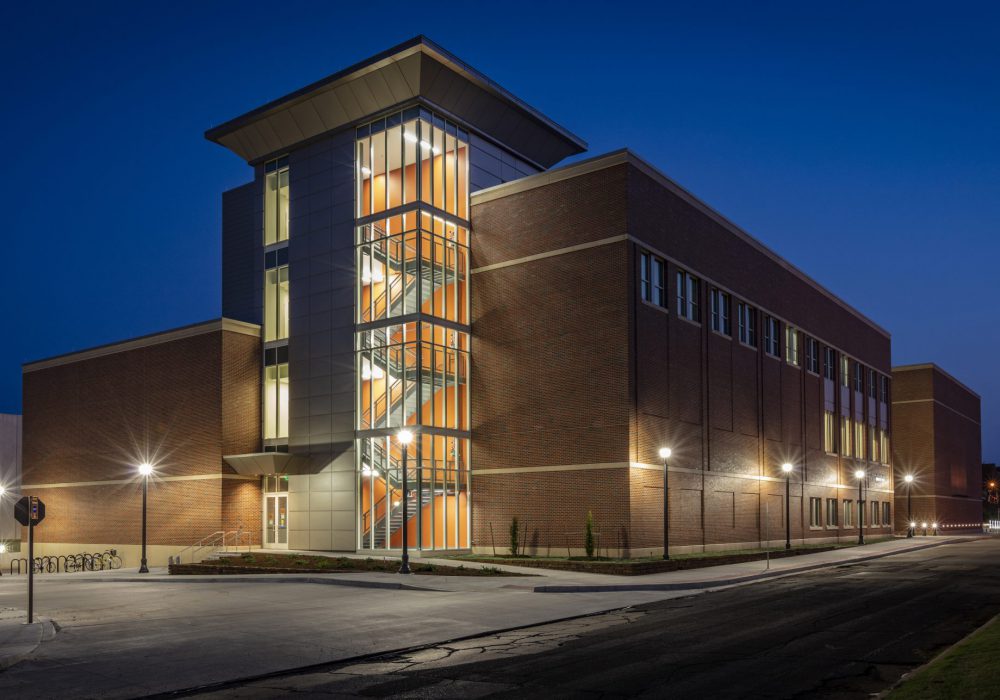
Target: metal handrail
{"type": "Point", "coordinates": [212, 540]}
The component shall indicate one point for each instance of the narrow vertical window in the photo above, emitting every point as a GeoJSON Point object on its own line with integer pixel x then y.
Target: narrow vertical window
{"type": "Point", "coordinates": [276, 393]}
{"type": "Point", "coordinates": [644, 276]}
{"type": "Point", "coordinates": [720, 312]}
{"type": "Point", "coordinates": [791, 346]}
{"type": "Point", "coordinates": [276, 303]}
{"type": "Point", "coordinates": [848, 513]}
{"type": "Point", "coordinates": [845, 371]}
{"type": "Point", "coordinates": [276, 201]}
{"type": "Point", "coordinates": [747, 320]}
{"type": "Point", "coordinates": [652, 279]}
{"type": "Point", "coordinates": [829, 432]}
{"type": "Point", "coordinates": [887, 513]}
{"type": "Point", "coordinates": [688, 293]}
{"type": "Point", "coordinates": [859, 439]}
{"type": "Point", "coordinates": [772, 342]}
{"type": "Point", "coordinates": [884, 397]}
{"type": "Point", "coordinates": [845, 436]}
{"type": "Point", "coordinates": [859, 378]}
{"type": "Point", "coordinates": [872, 384]}
{"type": "Point", "coordinates": [830, 364]}
{"type": "Point", "coordinates": [831, 512]}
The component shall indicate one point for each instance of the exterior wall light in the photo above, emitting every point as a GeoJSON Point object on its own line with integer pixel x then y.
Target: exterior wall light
{"type": "Point", "coordinates": [665, 453]}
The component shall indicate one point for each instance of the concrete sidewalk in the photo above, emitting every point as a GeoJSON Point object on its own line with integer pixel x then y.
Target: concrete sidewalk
{"type": "Point", "coordinates": [554, 581]}
{"type": "Point", "coordinates": [19, 639]}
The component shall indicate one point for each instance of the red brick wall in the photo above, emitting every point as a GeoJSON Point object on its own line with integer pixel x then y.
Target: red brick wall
{"type": "Point", "coordinates": [96, 419]}
{"type": "Point", "coordinates": [571, 367]}
{"type": "Point", "coordinates": [937, 438]}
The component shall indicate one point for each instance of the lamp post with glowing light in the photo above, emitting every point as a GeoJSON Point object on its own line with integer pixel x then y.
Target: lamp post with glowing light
{"type": "Point", "coordinates": [860, 475]}
{"type": "Point", "coordinates": [665, 453]}
{"type": "Point", "coordinates": [3, 545]}
{"type": "Point", "coordinates": [405, 437]}
{"type": "Point", "coordinates": [145, 469]}
{"type": "Point", "coordinates": [787, 468]}
{"type": "Point", "coordinates": [993, 486]}
{"type": "Point", "coordinates": [909, 504]}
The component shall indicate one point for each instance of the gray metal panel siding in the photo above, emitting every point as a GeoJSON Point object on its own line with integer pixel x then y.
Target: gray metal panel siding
{"type": "Point", "coordinates": [241, 255]}
{"type": "Point", "coordinates": [491, 165]}
{"type": "Point", "coordinates": [321, 339]}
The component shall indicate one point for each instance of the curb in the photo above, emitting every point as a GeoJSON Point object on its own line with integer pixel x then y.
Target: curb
{"type": "Point", "coordinates": [264, 578]}
{"type": "Point", "coordinates": [720, 583]}
{"type": "Point", "coordinates": [44, 630]}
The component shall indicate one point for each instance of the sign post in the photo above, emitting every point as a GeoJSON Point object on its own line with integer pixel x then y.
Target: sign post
{"type": "Point", "coordinates": [29, 511]}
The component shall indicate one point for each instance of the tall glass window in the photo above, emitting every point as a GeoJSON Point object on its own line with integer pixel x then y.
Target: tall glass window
{"type": "Point", "coordinates": [276, 303]}
{"type": "Point", "coordinates": [276, 201]}
{"type": "Point", "coordinates": [412, 156]}
{"type": "Point", "coordinates": [410, 263]}
{"type": "Point", "coordinates": [276, 401]}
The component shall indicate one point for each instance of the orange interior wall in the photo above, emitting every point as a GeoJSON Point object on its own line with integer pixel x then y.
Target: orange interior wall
{"type": "Point", "coordinates": [438, 529]}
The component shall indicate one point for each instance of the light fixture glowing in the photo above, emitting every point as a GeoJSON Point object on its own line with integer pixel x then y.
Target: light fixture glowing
{"type": "Point", "coordinates": [665, 453]}
{"type": "Point", "coordinates": [365, 170]}
{"type": "Point", "coordinates": [924, 525]}
{"type": "Point", "coordinates": [934, 525]}
{"type": "Point", "coordinates": [860, 474]}
{"type": "Point", "coordinates": [425, 145]}
{"type": "Point", "coordinates": [409, 137]}
{"type": "Point", "coordinates": [435, 150]}
{"type": "Point", "coordinates": [405, 436]}
{"type": "Point", "coordinates": [2, 490]}
{"type": "Point", "coordinates": [3, 547]}
{"type": "Point", "coordinates": [145, 469]}
{"type": "Point", "coordinates": [395, 503]}
{"type": "Point", "coordinates": [908, 478]}
{"type": "Point", "coordinates": [786, 467]}
{"type": "Point", "coordinates": [913, 524]}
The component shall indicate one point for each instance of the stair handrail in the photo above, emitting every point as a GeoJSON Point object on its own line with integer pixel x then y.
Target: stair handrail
{"type": "Point", "coordinates": [206, 541]}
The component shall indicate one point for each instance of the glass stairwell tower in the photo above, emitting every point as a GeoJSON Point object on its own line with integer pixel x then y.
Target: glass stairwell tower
{"type": "Point", "coordinates": [412, 330]}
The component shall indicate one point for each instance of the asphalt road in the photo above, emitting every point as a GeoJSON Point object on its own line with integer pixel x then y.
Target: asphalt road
{"type": "Point", "coordinates": [837, 633]}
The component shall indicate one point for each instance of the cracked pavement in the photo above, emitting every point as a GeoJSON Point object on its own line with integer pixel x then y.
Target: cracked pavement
{"type": "Point", "coordinates": [846, 632]}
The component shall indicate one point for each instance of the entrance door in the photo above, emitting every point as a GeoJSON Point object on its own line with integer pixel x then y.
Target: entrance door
{"type": "Point", "coordinates": [275, 521]}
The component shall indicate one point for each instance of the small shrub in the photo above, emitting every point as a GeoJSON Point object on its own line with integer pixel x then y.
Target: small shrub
{"type": "Point", "coordinates": [515, 528]}
{"type": "Point", "coordinates": [588, 535]}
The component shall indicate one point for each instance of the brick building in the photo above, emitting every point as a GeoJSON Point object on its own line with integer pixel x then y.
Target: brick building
{"type": "Point", "coordinates": [181, 400]}
{"type": "Point", "coordinates": [936, 422]}
{"type": "Point", "coordinates": [414, 260]}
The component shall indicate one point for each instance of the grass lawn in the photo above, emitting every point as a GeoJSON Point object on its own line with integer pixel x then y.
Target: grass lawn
{"type": "Point", "coordinates": [968, 671]}
{"type": "Point", "coordinates": [256, 562]}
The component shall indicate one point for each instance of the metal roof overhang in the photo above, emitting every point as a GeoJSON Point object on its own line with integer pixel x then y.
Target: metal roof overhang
{"type": "Point", "coordinates": [265, 463]}
{"type": "Point", "coordinates": [415, 69]}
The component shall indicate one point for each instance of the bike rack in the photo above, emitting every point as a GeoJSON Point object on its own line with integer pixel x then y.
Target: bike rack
{"type": "Point", "coordinates": [68, 563]}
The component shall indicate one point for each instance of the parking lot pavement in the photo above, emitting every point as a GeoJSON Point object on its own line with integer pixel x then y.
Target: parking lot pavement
{"type": "Point", "coordinates": [122, 636]}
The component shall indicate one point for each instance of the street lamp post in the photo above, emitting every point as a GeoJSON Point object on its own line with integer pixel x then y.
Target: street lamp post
{"type": "Point", "coordinates": [860, 474]}
{"type": "Point", "coordinates": [665, 453]}
{"type": "Point", "coordinates": [993, 485]}
{"type": "Point", "coordinates": [405, 437]}
{"type": "Point", "coordinates": [787, 468]}
{"type": "Point", "coordinates": [909, 504]}
{"type": "Point", "coordinates": [145, 469]}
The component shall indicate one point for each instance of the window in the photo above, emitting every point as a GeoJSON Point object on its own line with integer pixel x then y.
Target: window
{"type": "Point", "coordinates": [748, 324]}
{"type": "Point", "coordinates": [845, 371]}
{"type": "Point", "coordinates": [812, 355]}
{"type": "Point", "coordinates": [831, 512]}
{"type": "Point", "coordinates": [772, 344]}
{"type": "Point", "coordinates": [873, 441]}
{"type": "Point", "coordinates": [815, 512]}
{"type": "Point", "coordinates": [859, 378]}
{"type": "Point", "coordinates": [276, 393]}
{"type": "Point", "coordinates": [276, 201]}
{"type": "Point", "coordinates": [829, 432]}
{"type": "Point", "coordinates": [848, 513]}
{"type": "Point", "coordinates": [872, 384]}
{"type": "Point", "coordinates": [884, 398]}
{"type": "Point", "coordinates": [829, 363]}
{"type": "Point", "coordinates": [276, 302]}
{"type": "Point", "coordinates": [876, 514]}
{"type": "Point", "coordinates": [720, 312]}
{"type": "Point", "coordinates": [887, 513]}
{"type": "Point", "coordinates": [883, 448]}
{"type": "Point", "coordinates": [859, 439]}
{"type": "Point", "coordinates": [688, 293]}
{"type": "Point", "coordinates": [791, 346]}
{"type": "Point", "coordinates": [652, 279]}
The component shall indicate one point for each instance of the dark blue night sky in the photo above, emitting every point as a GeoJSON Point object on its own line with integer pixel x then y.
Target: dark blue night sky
{"type": "Point", "coordinates": [860, 141]}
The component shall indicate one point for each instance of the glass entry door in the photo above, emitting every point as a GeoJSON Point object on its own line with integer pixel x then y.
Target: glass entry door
{"type": "Point", "coordinates": [276, 521]}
